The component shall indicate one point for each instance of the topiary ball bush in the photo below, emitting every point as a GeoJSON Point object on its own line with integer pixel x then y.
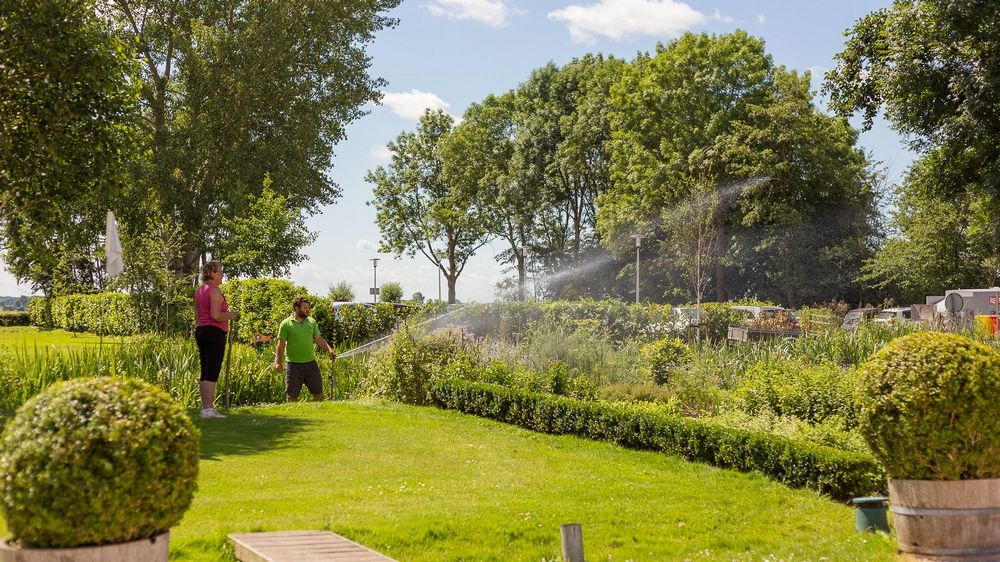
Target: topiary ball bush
{"type": "Point", "coordinates": [929, 407]}
{"type": "Point", "coordinates": [663, 355]}
{"type": "Point", "coordinates": [94, 461]}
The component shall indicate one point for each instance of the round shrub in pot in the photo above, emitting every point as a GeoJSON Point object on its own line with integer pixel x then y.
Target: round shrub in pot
{"type": "Point", "coordinates": [929, 408]}
{"type": "Point", "coordinates": [95, 461]}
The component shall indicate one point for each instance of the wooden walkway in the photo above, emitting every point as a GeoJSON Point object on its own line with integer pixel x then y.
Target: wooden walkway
{"type": "Point", "coordinates": [295, 546]}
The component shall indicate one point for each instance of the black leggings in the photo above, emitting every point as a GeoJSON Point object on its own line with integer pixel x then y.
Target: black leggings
{"type": "Point", "coordinates": [211, 342]}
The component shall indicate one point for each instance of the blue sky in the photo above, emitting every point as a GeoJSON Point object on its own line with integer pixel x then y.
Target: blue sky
{"type": "Point", "coordinates": [450, 53]}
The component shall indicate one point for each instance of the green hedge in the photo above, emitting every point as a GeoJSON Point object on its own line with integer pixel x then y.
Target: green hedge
{"type": "Point", "coordinates": [108, 313]}
{"type": "Point", "coordinates": [356, 324]}
{"type": "Point", "coordinates": [262, 304]}
{"type": "Point", "coordinates": [14, 318]}
{"type": "Point", "coordinates": [840, 474]}
{"type": "Point", "coordinates": [620, 320]}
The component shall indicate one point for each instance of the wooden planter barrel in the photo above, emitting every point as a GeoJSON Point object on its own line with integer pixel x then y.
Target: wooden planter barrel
{"type": "Point", "coordinates": [155, 549]}
{"type": "Point", "coordinates": [947, 520]}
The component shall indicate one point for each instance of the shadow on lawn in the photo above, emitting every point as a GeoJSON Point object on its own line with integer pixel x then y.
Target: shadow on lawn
{"type": "Point", "coordinates": [246, 434]}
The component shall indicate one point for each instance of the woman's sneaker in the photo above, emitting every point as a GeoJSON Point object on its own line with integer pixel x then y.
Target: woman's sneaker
{"type": "Point", "coordinates": [208, 413]}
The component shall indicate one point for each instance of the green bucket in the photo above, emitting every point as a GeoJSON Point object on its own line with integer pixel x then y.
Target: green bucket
{"type": "Point", "coordinates": [871, 514]}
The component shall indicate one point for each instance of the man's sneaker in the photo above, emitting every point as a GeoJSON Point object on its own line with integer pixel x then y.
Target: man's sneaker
{"type": "Point", "coordinates": [211, 413]}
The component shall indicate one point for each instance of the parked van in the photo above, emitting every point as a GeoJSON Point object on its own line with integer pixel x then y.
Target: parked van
{"type": "Point", "coordinates": [336, 307]}
{"type": "Point", "coordinates": [773, 317]}
{"type": "Point", "coordinates": [854, 318]}
{"type": "Point", "coordinates": [898, 314]}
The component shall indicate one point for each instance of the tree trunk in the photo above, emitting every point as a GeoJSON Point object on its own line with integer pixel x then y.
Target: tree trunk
{"type": "Point", "coordinates": [452, 280]}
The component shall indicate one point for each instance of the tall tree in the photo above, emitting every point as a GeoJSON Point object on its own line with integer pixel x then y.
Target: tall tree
{"type": "Point", "coordinates": [936, 242]}
{"type": "Point", "coordinates": [235, 90]}
{"type": "Point", "coordinates": [800, 195]}
{"type": "Point", "coordinates": [670, 109]}
{"type": "Point", "coordinates": [478, 154]}
{"type": "Point", "coordinates": [560, 157]}
{"type": "Point", "coordinates": [933, 67]}
{"type": "Point", "coordinates": [67, 106]}
{"type": "Point", "coordinates": [808, 215]}
{"type": "Point", "coordinates": [692, 236]}
{"type": "Point", "coordinates": [276, 236]}
{"type": "Point", "coordinates": [420, 209]}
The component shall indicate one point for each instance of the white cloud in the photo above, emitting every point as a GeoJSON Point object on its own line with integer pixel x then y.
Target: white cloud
{"type": "Point", "coordinates": [365, 245]}
{"type": "Point", "coordinates": [491, 12]}
{"type": "Point", "coordinates": [761, 19]}
{"type": "Point", "coordinates": [381, 154]}
{"type": "Point", "coordinates": [717, 16]}
{"type": "Point", "coordinates": [623, 19]}
{"type": "Point", "coordinates": [411, 105]}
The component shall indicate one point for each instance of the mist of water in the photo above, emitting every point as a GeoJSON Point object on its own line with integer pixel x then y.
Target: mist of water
{"type": "Point", "coordinates": [723, 197]}
{"type": "Point", "coordinates": [586, 267]}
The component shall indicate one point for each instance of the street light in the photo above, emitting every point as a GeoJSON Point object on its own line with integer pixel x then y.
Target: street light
{"type": "Point", "coordinates": [374, 290]}
{"type": "Point", "coordinates": [524, 275]}
{"type": "Point", "coordinates": [437, 262]}
{"type": "Point", "coordinates": [638, 242]}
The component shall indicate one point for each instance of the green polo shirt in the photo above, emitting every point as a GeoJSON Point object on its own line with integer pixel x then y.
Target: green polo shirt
{"type": "Point", "coordinates": [300, 338]}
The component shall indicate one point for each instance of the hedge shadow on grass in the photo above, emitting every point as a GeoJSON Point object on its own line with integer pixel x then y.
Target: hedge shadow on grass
{"type": "Point", "coordinates": [246, 433]}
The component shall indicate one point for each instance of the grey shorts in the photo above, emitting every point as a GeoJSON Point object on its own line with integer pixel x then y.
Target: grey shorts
{"type": "Point", "coordinates": [298, 373]}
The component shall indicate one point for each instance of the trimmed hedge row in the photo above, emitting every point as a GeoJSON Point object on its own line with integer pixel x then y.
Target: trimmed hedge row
{"type": "Point", "coordinates": [108, 313]}
{"type": "Point", "coordinates": [14, 318]}
{"type": "Point", "coordinates": [356, 324]}
{"type": "Point", "coordinates": [841, 475]}
{"type": "Point", "coordinates": [262, 304]}
{"type": "Point", "coordinates": [620, 320]}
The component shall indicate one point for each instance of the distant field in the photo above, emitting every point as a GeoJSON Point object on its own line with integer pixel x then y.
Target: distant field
{"type": "Point", "coordinates": [16, 338]}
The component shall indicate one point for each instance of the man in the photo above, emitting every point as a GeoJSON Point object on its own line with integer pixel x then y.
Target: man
{"type": "Point", "coordinates": [301, 334]}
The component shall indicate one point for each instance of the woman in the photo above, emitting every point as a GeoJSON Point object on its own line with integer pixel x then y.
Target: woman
{"type": "Point", "coordinates": [212, 318]}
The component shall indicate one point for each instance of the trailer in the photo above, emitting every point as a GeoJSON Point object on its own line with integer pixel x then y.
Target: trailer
{"type": "Point", "coordinates": [959, 309]}
{"type": "Point", "coordinates": [740, 334]}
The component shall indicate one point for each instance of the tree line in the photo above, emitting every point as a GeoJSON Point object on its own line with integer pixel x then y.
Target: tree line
{"type": "Point", "coordinates": [712, 154]}
{"type": "Point", "coordinates": [209, 128]}
{"type": "Point", "coordinates": [716, 167]}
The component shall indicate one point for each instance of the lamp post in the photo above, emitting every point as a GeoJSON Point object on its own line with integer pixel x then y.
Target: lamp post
{"type": "Point", "coordinates": [524, 275]}
{"type": "Point", "coordinates": [374, 290]}
{"type": "Point", "coordinates": [638, 242]}
{"type": "Point", "coordinates": [437, 262]}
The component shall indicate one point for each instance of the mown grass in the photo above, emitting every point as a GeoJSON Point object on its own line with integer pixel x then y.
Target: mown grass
{"type": "Point", "coordinates": [32, 338]}
{"type": "Point", "coordinates": [421, 484]}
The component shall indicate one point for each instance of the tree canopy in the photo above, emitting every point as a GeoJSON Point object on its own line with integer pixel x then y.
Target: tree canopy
{"type": "Point", "coordinates": [174, 113]}
{"type": "Point", "coordinates": [717, 109]}
{"type": "Point", "coordinates": [421, 210]}
{"type": "Point", "coordinates": [234, 91]}
{"type": "Point", "coordinates": [67, 110]}
{"type": "Point", "coordinates": [932, 67]}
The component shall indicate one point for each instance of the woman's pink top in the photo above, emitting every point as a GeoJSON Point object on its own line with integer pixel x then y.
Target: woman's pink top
{"type": "Point", "coordinates": [203, 308]}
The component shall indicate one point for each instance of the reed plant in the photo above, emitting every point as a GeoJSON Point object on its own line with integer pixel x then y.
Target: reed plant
{"type": "Point", "coordinates": [849, 347]}
{"type": "Point", "coordinates": [171, 363]}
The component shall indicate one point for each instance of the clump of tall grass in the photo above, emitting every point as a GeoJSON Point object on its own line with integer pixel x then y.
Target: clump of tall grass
{"type": "Point", "coordinates": [170, 363]}
{"type": "Point", "coordinates": [585, 348]}
{"type": "Point", "coordinates": [830, 432]}
{"type": "Point", "coordinates": [849, 347]}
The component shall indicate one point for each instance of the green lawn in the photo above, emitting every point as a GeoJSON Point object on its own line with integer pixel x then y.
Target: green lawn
{"type": "Point", "coordinates": [30, 337]}
{"type": "Point", "coordinates": [421, 484]}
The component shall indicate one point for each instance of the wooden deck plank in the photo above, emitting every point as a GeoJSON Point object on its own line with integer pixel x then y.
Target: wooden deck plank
{"type": "Point", "coordinates": [295, 546]}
